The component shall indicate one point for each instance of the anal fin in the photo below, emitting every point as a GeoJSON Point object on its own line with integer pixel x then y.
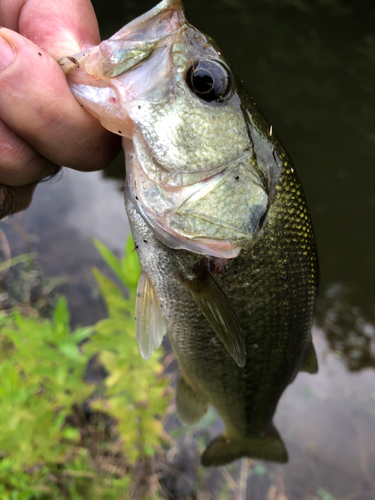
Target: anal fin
{"type": "Point", "coordinates": [310, 361]}
{"type": "Point", "coordinates": [224, 450]}
{"type": "Point", "coordinates": [191, 404]}
{"type": "Point", "coordinates": [150, 326]}
{"type": "Point", "coordinates": [216, 307]}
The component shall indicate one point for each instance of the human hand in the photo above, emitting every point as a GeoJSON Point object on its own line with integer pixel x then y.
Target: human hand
{"type": "Point", "coordinates": [42, 126]}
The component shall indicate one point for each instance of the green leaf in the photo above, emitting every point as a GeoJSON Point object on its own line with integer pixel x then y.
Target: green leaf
{"type": "Point", "coordinates": [116, 303]}
{"type": "Point", "coordinates": [110, 258]}
{"type": "Point", "coordinates": [131, 266]}
{"type": "Point", "coordinates": [71, 433]}
{"type": "Point", "coordinates": [81, 334]}
{"type": "Point", "coordinates": [41, 379]}
{"type": "Point", "coordinates": [70, 350]}
{"type": "Point", "coordinates": [17, 260]}
{"type": "Point", "coordinates": [61, 317]}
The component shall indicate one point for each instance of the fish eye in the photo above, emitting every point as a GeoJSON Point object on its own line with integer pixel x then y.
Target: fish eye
{"type": "Point", "coordinates": [209, 80]}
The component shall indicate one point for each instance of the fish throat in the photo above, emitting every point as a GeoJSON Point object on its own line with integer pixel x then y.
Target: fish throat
{"type": "Point", "coordinates": [176, 204]}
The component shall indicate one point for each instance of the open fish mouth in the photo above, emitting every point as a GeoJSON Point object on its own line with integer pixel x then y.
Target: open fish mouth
{"type": "Point", "coordinates": [99, 76]}
{"type": "Point", "coordinates": [131, 44]}
{"type": "Point", "coordinates": [180, 171]}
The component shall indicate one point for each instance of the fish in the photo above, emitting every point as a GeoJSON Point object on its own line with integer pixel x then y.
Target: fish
{"type": "Point", "coordinates": [220, 223]}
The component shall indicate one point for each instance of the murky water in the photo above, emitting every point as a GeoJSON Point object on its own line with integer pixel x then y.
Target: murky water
{"type": "Point", "coordinates": [310, 67]}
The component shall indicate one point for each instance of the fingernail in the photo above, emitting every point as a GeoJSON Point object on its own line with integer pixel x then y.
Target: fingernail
{"type": "Point", "coordinates": [6, 53]}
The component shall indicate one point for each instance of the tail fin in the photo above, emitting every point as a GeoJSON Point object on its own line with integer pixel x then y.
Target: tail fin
{"type": "Point", "coordinates": [223, 450]}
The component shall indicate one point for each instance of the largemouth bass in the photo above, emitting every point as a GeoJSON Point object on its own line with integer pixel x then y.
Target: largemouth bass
{"type": "Point", "coordinates": [220, 223]}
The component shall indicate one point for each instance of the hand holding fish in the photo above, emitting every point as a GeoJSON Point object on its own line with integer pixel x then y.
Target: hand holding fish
{"type": "Point", "coordinates": [41, 124]}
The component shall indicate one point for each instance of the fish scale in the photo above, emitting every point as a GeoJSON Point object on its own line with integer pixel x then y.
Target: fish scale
{"type": "Point", "coordinates": [270, 311]}
{"type": "Point", "coordinates": [220, 222]}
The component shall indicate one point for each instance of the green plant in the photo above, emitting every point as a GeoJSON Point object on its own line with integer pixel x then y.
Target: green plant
{"type": "Point", "coordinates": [134, 386]}
{"type": "Point", "coordinates": [47, 449]}
{"type": "Point", "coordinates": [324, 494]}
{"type": "Point", "coordinates": [40, 378]}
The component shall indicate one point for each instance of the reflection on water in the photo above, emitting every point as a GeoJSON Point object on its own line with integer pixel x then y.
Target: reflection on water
{"type": "Point", "coordinates": [330, 419]}
{"type": "Point", "coordinates": [61, 223]}
{"type": "Point", "coordinates": [348, 332]}
{"type": "Point", "coordinates": [311, 69]}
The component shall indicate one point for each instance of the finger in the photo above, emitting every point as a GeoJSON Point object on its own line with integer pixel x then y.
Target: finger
{"type": "Point", "coordinates": [14, 199]}
{"type": "Point", "coordinates": [39, 107]}
{"type": "Point", "coordinates": [20, 164]}
{"type": "Point", "coordinates": [61, 28]}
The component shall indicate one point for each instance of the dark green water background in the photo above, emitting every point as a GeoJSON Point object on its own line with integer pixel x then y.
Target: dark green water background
{"type": "Point", "coordinates": [310, 66]}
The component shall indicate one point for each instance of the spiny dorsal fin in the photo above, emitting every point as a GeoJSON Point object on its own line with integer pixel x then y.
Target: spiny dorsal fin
{"type": "Point", "coordinates": [310, 361]}
{"type": "Point", "coordinates": [218, 310]}
{"type": "Point", "coordinates": [150, 326]}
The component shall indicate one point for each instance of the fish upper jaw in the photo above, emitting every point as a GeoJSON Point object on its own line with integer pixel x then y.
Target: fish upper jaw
{"type": "Point", "coordinates": [110, 79]}
{"type": "Point", "coordinates": [143, 33]}
{"type": "Point", "coordinates": [165, 18]}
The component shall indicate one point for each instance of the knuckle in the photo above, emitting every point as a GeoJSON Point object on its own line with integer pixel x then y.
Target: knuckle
{"type": "Point", "coordinates": [8, 201]}
{"type": "Point", "coordinates": [49, 171]}
{"type": "Point", "coordinates": [14, 199]}
{"type": "Point", "coordinates": [24, 202]}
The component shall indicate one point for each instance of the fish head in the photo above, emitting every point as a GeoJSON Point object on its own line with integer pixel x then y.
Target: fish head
{"type": "Point", "coordinates": [192, 168]}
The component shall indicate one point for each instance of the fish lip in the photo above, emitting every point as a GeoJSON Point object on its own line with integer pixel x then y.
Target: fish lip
{"type": "Point", "coordinates": [140, 29]}
{"type": "Point", "coordinates": [160, 10]}
{"type": "Point", "coordinates": [224, 249]}
{"type": "Point", "coordinates": [89, 68]}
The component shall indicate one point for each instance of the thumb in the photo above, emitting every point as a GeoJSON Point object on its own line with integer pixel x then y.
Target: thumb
{"type": "Point", "coordinates": [38, 106]}
{"type": "Point", "coordinates": [60, 27]}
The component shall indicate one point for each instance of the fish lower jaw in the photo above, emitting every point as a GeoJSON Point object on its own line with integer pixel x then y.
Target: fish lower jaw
{"type": "Point", "coordinates": [223, 249]}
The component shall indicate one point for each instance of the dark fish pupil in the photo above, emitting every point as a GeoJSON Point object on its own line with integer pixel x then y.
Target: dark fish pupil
{"type": "Point", "coordinates": [209, 80]}
{"type": "Point", "coordinates": [202, 81]}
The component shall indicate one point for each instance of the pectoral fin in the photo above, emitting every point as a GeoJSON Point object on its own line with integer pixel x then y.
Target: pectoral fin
{"type": "Point", "coordinates": [218, 310]}
{"type": "Point", "coordinates": [150, 326]}
{"type": "Point", "coordinates": [191, 404]}
{"type": "Point", "coordinates": [310, 361]}
{"type": "Point", "coordinates": [223, 450]}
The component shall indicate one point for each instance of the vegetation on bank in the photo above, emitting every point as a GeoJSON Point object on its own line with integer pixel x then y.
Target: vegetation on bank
{"type": "Point", "coordinates": [61, 436]}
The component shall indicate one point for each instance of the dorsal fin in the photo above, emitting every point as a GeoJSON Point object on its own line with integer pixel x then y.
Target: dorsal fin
{"type": "Point", "coordinates": [150, 326]}
{"type": "Point", "coordinates": [216, 307]}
